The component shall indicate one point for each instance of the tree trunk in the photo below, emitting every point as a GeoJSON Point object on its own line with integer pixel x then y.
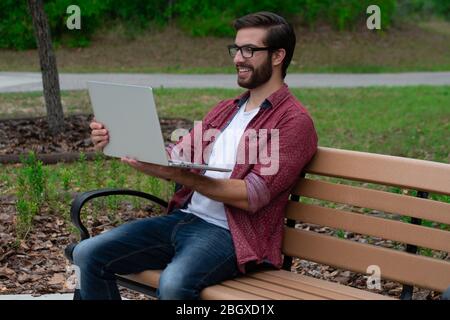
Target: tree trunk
{"type": "Point", "coordinates": [50, 79]}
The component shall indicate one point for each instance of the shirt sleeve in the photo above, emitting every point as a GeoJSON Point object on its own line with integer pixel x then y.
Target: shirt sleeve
{"type": "Point", "coordinates": [281, 159]}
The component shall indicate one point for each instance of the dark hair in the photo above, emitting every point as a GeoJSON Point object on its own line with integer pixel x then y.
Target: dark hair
{"type": "Point", "coordinates": [280, 34]}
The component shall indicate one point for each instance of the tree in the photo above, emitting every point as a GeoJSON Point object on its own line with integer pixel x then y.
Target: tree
{"type": "Point", "coordinates": [47, 59]}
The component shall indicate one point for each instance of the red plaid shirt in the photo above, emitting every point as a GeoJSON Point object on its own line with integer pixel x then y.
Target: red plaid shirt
{"type": "Point", "coordinates": [258, 233]}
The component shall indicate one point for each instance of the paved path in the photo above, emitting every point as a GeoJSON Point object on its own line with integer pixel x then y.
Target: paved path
{"type": "Point", "coordinates": [56, 296]}
{"type": "Point", "coordinates": [26, 81]}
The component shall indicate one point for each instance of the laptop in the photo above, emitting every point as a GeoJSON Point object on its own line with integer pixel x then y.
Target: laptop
{"type": "Point", "coordinates": [129, 113]}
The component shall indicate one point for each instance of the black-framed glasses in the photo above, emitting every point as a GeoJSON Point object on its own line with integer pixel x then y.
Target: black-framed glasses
{"type": "Point", "coordinates": [246, 51]}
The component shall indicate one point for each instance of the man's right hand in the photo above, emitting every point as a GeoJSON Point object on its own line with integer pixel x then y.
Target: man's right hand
{"type": "Point", "coordinates": [99, 135]}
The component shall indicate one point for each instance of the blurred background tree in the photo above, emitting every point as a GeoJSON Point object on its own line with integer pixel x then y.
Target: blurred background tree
{"type": "Point", "coordinates": [47, 59]}
{"type": "Point", "coordinates": [216, 16]}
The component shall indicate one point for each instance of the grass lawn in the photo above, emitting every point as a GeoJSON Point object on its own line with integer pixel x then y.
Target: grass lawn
{"type": "Point", "coordinates": [416, 47]}
{"type": "Point", "coordinates": [402, 121]}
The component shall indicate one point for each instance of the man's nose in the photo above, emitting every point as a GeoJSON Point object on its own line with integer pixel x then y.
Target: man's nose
{"type": "Point", "coordinates": [238, 57]}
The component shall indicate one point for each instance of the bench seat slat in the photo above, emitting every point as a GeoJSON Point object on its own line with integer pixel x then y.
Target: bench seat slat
{"type": "Point", "coordinates": [323, 293]}
{"type": "Point", "coordinates": [364, 224]}
{"type": "Point", "coordinates": [395, 265]}
{"type": "Point", "coordinates": [374, 199]}
{"type": "Point", "coordinates": [217, 292]}
{"type": "Point", "coordinates": [279, 284]}
{"type": "Point", "coordinates": [221, 292]}
{"type": "Point", "coordinates": [321, 287]}
{"type": "Point", "coordinates": [261, 291]}
{"type": "Point", "coordinates": [387, 170]}
{"type": "Point", "coordinates": [148, 277]}
{"type": "Point", "coordinates": [291, 294]}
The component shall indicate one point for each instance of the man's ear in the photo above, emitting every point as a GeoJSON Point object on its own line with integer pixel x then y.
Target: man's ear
{"type": "Point", "coordinates": [278, 56]}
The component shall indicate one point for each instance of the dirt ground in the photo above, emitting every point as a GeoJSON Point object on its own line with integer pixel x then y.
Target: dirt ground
{"type": "Point", "coordinates": [19, 136]}
{"type": "Point", "coordinates": [37, 265]}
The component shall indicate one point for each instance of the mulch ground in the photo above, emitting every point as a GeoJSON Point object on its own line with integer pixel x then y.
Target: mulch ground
{"type": "Point", "coordinates": [37, 265]}
{"type": "Point", "coordinates": [18, 136]}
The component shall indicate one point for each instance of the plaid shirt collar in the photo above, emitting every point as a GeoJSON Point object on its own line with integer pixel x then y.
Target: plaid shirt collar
{"type": "Point", "coordinates": [272, 101]}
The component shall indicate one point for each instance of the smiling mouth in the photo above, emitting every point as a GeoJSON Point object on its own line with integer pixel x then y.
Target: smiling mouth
{"type": "Point", "coordinates": [242, 71]}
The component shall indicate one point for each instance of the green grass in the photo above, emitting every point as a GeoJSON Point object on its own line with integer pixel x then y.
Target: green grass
{"type": "Point", "coordinates": [423, 46]}
{"type": "Point", "coordinates": [411, 121]}
{"type": "Point", "coordinates": [403, 121]}
{"type": "Point", "coordinates": [63, 179]}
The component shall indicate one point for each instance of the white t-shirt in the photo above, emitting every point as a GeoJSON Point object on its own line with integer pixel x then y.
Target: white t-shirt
{"type": "Point", "coordinates": [223, 154]}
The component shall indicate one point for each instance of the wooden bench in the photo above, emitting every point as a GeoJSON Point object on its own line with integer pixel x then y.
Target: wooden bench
{"type": "Point", "coordinates": [375, 175]}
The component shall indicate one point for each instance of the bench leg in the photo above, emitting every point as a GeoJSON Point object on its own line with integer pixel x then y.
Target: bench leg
{"type": "Point", "coordinates": [77, 295]}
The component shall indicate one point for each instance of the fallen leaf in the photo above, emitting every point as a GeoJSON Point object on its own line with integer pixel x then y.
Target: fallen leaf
{"type": "Point", "coordinates": [58, 278]}
{"type": "Point", "coordinates": [7, 272]}
{"type": "Point", "coordinates": [24, 246]}
{"type": "Point", "coordinates": [22, 278]}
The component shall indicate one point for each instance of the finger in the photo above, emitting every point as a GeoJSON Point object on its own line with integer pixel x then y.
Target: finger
{"type": "Point", "coordinates": [99, 139]}
{"type": "Point", "coordinates": [101, 132]}
{"type": "Point", "coordinates": [125, 160]}
{"type": "Point", "coordinates": [132, 161]}
{"type": "Point", "coordinates": [101, 145]}
{"type": "Point", "coordinates": [96, 125]}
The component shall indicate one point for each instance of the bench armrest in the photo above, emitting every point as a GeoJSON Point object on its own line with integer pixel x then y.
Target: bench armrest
{"type": "Point", "coordinates": [82, 198]}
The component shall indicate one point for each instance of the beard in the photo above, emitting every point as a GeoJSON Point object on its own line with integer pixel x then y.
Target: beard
{"type": "Point", "coordinates": [259, 75]}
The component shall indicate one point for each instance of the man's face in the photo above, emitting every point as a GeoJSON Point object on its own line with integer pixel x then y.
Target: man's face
{"type": "Point", "coordinates": [257, 70]}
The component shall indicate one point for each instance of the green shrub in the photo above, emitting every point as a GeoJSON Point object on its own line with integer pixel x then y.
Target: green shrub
{"type": "Point", "coordinates": [423, 9]}
{"type": "Point", "coordinates": [218, 15]}
{"type": "Point", "coordinates": [199, 18]}
{"type": "Point", "coordinates": [344, 14]}
{"type": "Point", "coordinates": [16, 29]}
{"type": "Point", "coordinates": [92, 15]}
{"type": "Point", "coordinates": [139, 12]}
{"type": "Point", "coordinates": [442, 7]}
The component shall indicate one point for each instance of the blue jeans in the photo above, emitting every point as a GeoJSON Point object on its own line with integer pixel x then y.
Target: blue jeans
{"type": "Point", "coordinates": [193, 253]}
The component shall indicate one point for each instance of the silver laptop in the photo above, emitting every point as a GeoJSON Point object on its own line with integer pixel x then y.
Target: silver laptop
{"type": "Point", "coordinates": [129, 113]}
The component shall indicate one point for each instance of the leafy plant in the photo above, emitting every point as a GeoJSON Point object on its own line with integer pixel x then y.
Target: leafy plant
{"type": "Point", "coordinates": [340, 234]}
{"type": "Point", "coordinates": [82, 168]}
{"type": "Point", "coordinates": [66, 178]}
{"type": "Point", "coordinates": [30, 194]}
{"type": "Point", "coordinates": [99, 162]}
{"type": "Point", "coordinates": [32, 179]}
{"type": "Point", "coordinates": [26, 210]}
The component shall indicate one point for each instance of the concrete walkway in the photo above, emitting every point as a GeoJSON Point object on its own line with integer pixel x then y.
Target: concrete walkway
{"type": "Point", "coordinates": [27, 81]}
{"type": "Point", "coordinates": [54, 296]}
{"type": "Point", "coordinates": [57, 296]}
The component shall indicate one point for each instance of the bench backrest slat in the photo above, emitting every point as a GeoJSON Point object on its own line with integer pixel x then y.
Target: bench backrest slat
{"type": "Point", "coordinates": [374, 199]}
{"type": "Point", "coordinates": [426, 176]}
{"type": "Point", "coordinates": [364, 224]}
{"type": "Point", "coordinates": [388, 170]}
{"type": "Point", "coordinates": [395, 265]}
